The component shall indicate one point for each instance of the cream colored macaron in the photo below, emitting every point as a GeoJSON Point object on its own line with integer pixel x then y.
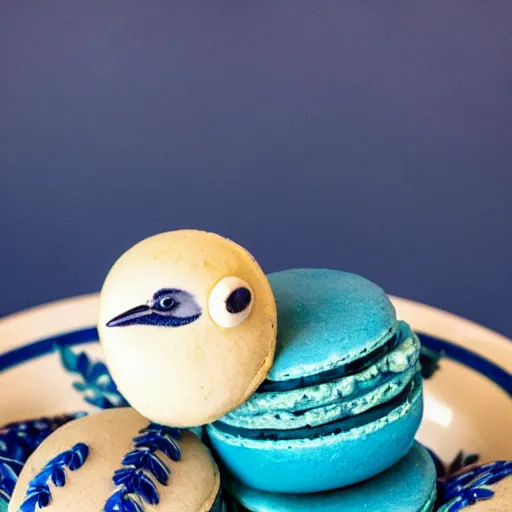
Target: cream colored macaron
{"type": "Point", "coordinates": [117, 461]}
{"type": "Point", "coordinates": [188, 323]}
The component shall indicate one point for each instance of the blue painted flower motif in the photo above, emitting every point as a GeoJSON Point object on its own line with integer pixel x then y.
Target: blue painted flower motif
{"type": "Point", "coordinates": [9, 471]}
{"type": "Point", "coordinates": [141, 465]}
{"type": "Point", "coordinates": [17, 442]}
{"type": "Point", "coordinates": [96, 382]}
{"type": "Point", "coordinates": [460, 461]}
{"type": "Point", "coordinates": [464, 489]}
{"type": "Point", "coordinates": [38, 493]}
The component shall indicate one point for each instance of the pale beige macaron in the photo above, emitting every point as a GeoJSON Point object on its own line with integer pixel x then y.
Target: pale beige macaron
{"type": "Point", "coordinates": [188, 323]}
{"type": "Point", "coordinates": [91, 449]}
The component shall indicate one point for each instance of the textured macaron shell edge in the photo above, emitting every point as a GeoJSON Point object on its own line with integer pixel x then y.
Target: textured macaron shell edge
{"type": "Point", "coordinates": [351, 394]}
{"type": "Point", "coordinates": [415, 395]}
{"type": "Point", "coordinates": [326, 318]}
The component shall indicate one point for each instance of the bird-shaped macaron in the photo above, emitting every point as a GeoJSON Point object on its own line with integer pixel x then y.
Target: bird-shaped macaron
{"type": "Point", "coordinates": [188, 322]}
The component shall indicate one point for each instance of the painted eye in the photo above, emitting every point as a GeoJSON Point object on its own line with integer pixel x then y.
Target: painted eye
{"type": "Point", "coordinates": [166, 303]}
{"type": "Point", "coordinates": [230, 302]}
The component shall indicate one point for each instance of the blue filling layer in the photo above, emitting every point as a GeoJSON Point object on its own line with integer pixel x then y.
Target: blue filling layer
{"type": "Point", "coordinates": [334, 427]}
{"type": "Point", "coordinates": [351, 368]}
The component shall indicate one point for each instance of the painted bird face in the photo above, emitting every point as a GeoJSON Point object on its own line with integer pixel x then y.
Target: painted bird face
{"type": "Point", "coordinates": [187, 321]}
{"type": "Point", "coordinates": [167, 307]}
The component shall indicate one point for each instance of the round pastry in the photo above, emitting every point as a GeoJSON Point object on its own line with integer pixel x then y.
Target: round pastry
{"type": "Point", "coordinates": [117, 461]}
{"type": "Point", "coordinates": [187, 320]}
{"type": "Point", "coordinates": [408, 486]}
{"type": "Point", "coordinates": [343, 399]}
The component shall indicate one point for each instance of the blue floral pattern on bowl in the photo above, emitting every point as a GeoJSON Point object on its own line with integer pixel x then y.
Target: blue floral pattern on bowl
{"type": "Point", "coordinates": [95, 382]}
{"type": "Point", "coordinates": [460, 461]}
{"type": "Point", "coordinates": [17, 442]}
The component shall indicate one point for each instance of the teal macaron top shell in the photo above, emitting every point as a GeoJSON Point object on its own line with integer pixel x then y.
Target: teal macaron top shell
{"type": "Point", "coordinates": [408, 486]}
{"type": "Point", "coordinates": [343, 400]}
{"type": "Point", "coordinates": [326, 318]}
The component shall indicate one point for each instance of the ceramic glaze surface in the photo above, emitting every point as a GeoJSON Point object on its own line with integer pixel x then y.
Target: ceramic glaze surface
{"type": "Point", "coordinates": [468, 407]}
{"type": "Point", "coordinates": [391, 491]}
{"type": "Point", "coordinates": [183, 345]}
{"type": "Point", "coordinates": [326, 318]}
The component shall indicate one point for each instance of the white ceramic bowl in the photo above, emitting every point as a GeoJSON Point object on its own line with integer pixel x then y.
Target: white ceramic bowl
{"type": "Point", "coordinates": [468, 406]}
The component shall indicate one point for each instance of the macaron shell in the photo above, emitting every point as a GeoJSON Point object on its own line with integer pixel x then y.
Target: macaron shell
{"type": "Point", "coordinates": [347, 396]}
{"type": "Point", "coordinates": [408, 486]}
{"type": "Point", "coordinates": [322, 463]}
{"type": "Point", "coordinates": [192, 487]}
{"type": "Point", "coordinates": [192, 374]}
{"type": "Point", "coordinates": [326, 318]}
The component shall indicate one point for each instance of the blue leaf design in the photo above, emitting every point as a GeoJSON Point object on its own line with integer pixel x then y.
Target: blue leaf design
{"type": "Point", "coordinates": [482, 493]}
{"type": "Point", "coordinates": [38, 493]}
{"type": "Point", "coordinates": [160, 441]}
{"type": "Point", "coordinates": [465, 489]}
{"type": "Point", "coordinates": [472, 458]}
{"type": "Point", "coordinates": [133, 458]}
{"type": "Point", "coordinates": [9, 471]}
{"type": "Point", "coordinates": [79, 386]}
{"type": "Point", "coordinates": [100, 402]}
{"type": "Point", "coordinates": [459, 462]}
{"type": "Point", "coordinates": [32, 502]}
{"type": "Point", "coordinates": [119, 501]}
{"type": "Point", "coordinates": [82, 365]}
{"type": "Point", "coordinates": [123, 477]}
{"type": "Point", "coordinates": [146, 488]}
{"type": "Point", "coordinates": [67, 357]}
{"type": "Point", "coordinates": [96, 383]}
{"type": "Point", "coordinates": [140, 465]}
{"type": "Point", "coordinates": [19, 440]}
{"type": "Point", "coordinates": [98, 371]}
{"type": "Point", "coordinates": [158, 468]}
{"type": "Point", "coordinates": [58, 477]}
{"type": "Point", "coordinates": [78, 456]}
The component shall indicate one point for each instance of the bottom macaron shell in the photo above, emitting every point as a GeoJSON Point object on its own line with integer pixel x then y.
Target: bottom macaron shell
{"type": "Point", "coordinates": [323, 463]}
{"type": "Point", "coordinates": [408, 486]}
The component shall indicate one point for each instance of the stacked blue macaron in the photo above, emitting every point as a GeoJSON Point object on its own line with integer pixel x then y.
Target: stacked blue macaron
{"type": "Point", "coordinates": [343, 399]}
{"type": "Point", "coordinates": [408, 486]}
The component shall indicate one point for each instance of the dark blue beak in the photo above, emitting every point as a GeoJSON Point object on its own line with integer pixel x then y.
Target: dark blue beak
{"type": "Point", "coordinates": [145, 315]}
{"type": "Point", "coordinates": [133, 316]}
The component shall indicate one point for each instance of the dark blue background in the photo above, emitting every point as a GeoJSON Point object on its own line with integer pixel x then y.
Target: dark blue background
{"type": "Point", "coordinates": [369, 136]}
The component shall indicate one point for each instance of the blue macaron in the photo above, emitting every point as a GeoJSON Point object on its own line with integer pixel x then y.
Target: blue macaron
{"type": "Point", "coordinates": [408, 486]}
{"type": "Point", "coordinates": [343, 399]}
